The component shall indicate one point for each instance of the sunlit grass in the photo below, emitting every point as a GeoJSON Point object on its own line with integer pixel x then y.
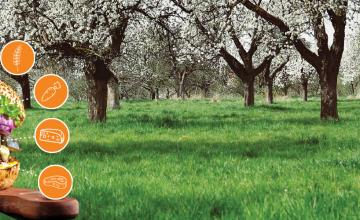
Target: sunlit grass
{"type": "Point", "coordinates": [201, 160]}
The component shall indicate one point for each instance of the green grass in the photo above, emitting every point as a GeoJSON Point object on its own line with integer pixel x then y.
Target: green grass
{"type": "Point", "coordinates": [204, 160]}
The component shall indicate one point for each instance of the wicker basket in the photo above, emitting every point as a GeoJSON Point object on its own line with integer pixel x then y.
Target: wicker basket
{"type": "Point", "coordinates": [8, 176]}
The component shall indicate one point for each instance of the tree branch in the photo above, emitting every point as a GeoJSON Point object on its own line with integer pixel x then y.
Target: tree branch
{"type": "Point", "coordinates": [279, 68]}
{"type": "Point", "coordinates": [321, 36]}
{"type": "Point", "coordinates": [305, 52]}
{"type": "Point", "coordinates": [242, 52]}
{"type": "Point", "coordinates": [179, 4]}
{"type": "Point", "coordinates": [263, 65]}
{"type": "Point", "coordinates": [234, 64]}
{"type": "Point", "coordinates": [339, 24]}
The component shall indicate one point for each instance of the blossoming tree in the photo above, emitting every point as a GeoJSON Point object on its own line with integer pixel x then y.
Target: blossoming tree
{"type": "Point", "coordinates": [350, 72]}
{"type": "Point", "coordinates": [271, 71]}
{"type": "Point", "coordinates": [294, 18]}
{"type": "Point", "coordinates": [241, 39]}
{"type": "Point", "coordinates": [92, 31]}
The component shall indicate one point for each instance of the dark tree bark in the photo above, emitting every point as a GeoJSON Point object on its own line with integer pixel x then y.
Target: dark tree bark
{"type": "Point", "coordinates": [176, 72]}
{"type": "Point", "coordinates": [246, 72]}
{"type": "Point", "coordinates": [188, 94]}
{"type": "Point", "coordinates": [206, 90]}
{"type": "Point", "coordinates": [97, 72]}
{"type": "Point", "coordinates": [329, 98]}
{"type": "Point", "coordinates": [249, 93]}
{"type": "Point", "coordinates": [352, 87]}
{"type": "Point", "coordinates": [177, 90]}
{"type": "Point", "coordinates": [180, 84]}
{"type": "Point", "coordinates": [113, 101]}
{"type": "Point", "coordinates": [167, 93]}
{"type": "Point", "coordinates": [305, 77]}
{"type": "Point", "coordinates": [270, 77]}
{"type": "Point", "coordinates": [327, 61]}
{"type": "Point", "coordinates": [270, 93]}
{"type": "Point", "coordinates": [304, 84]}
{"type": "Point", "coordinates": [97, 77]}
{"type": "Point", "coordinates": [152, 94]}
{"type": "Point", "coordinates": [157, 93]}
{"type": "Point", "coordinates": [305, 90]}
{"type": "Point", "coordinates": [25, 89]}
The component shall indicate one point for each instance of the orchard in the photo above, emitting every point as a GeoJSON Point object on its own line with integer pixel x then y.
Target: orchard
{"type": "Point", "coordinates": [197, 109]}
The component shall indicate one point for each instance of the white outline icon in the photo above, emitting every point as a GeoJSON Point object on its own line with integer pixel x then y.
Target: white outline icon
{"type": "Point", "coordinates": [52, 136]}
{"type": "Point", "coordinates": [50, 92]}
{"type": "Point", "coordinates": [57, 182]}
{"type": "Point", "coordinates": [17, 57]}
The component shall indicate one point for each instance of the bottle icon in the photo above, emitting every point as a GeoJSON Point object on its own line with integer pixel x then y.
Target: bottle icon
{"type": "Point", "coordinates": [50, 92]}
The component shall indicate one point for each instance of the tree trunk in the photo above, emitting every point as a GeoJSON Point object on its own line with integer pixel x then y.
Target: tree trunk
{"type": "Point", "coordinates": [182, 90]}
{"type": "Point", "coordinates": [113, 101]}
{"type": "Point", "coordinates": [329, 98]}
{"type": "Point", "coordinates": [97, 100]}
{"type": "Point", "coordinates": [97, 77]}
{"type": "Point", "coordinates": [352, 88]}
{"type": "Point", "coordinates": [270, 93]}
{"type": "Point", "coordinates": [152, 94]}
{"type": "Point", "coordinates": [188, 94]}
{"type": "Point", "coordinates": [178, 85]}
{"type": "Point", "coordinates": [328, 74]}
{"type": "Point", "coordinates": [249, 93]}
{"type": "Point", "coordinates": [177, 89]}
{"type": "Point", "coordinates": [305, 90]}
{"type": "Point", "coordinates": [327, 60]}
{"type": "Point", "coordinates": [157, 93]}
{"type": "Point", "coordinates": [206, 91]}
{"type": "Point", "coordinates": [167, 93]}
{"type": "Point", "coordinates": [286, 90]}
{"type": "Point", "coordinates": [25, 89]}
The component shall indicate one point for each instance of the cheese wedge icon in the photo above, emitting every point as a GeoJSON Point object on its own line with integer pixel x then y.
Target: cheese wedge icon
{"type": "Point", "coordinates": [52, 136]}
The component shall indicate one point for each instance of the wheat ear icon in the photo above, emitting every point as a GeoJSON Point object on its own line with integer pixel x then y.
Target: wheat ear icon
{"type": "Point", "coordinates": [17, 57]}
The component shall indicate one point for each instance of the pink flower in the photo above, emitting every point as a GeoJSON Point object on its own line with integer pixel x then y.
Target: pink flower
{"type": "Point", "coordinates": [6, 125]}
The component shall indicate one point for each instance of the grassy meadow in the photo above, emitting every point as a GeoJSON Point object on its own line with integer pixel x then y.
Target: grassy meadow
{"type": "Point", "coordinates": [199, 159]}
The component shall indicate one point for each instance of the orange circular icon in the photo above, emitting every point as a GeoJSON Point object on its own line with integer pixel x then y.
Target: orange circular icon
{"type": "Point", "coordinates": [51, 91]}
{"type": "Point", "coordinates": [52, 135]}
{"type": "Point", "coordinates": [55, 182]}
{"type": "Point", "coordinates": [17, 57]}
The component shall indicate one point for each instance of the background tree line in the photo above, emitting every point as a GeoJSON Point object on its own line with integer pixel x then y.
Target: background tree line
{"type": "Point", "coordinates": [181, 49]}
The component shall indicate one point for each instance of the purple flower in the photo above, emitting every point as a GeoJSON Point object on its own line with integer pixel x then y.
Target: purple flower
{"type": "Point", "coordinates": [6, 125]}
